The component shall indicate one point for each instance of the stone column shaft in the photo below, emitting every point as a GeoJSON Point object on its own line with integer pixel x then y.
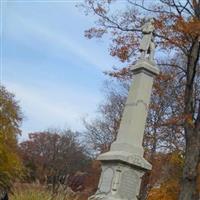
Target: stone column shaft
{"type": "Point", "coordinates": [135, 112]}
{"type": "Point", "coordinates": [132, 126]}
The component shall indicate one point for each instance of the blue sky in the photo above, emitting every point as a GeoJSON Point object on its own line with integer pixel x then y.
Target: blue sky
{"type": "Point", "coordinates": [54, 71]}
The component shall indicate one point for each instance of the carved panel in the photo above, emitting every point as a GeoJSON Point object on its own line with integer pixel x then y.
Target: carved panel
{"type": "Point", "coordinates": [106, 181]}
{"type": "Point", "coordinates": [129, 185]}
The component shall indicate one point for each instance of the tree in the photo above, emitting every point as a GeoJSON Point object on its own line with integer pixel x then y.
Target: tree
{"type": "Point", "coordinates": [165, 176]}
{"type": "Point", "coordinates": [52, 155]}
{"type": "Point", "coordinates": [101, 131]}
{"type": "Point", "coordinates": [177, 33]}
{"type": "Point", "coordinates": [10, 121]}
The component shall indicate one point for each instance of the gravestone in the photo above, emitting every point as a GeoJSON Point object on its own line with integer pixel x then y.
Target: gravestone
{"type": "Point", "coordinates": [124, 165]}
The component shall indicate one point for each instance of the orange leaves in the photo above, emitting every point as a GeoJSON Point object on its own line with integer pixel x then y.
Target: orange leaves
{"type": "Point", "coordinates": [176, 162]}
{"type": "Point", "coordinates": [167, 186]}
{"type": "Point", "coordinates": [190, 27]}
{"type": "Point", "coordinates": [165, 76]}
{"type": "Point", "coordinates": [185, 31]}
{"type": "Point", "coordinates": [93, 176]}
{"type": "Point", "coordinates": [160, 22]}
{"type": "Point", "coordinates": [176, 25]}
{"type": "Point", "coordinates": [121, 52]}
{"type": "Point", "coordinates": [189, 120]}
{"type": "Point", "coordinates": [175, 120]}
{"type": "Point", "coordinates": [178, 30]}
{"type": "Point", "coordinates": [162, 77]}
{"type": "Point", "coordinates": [123, 46]}
{"type": "Point", "coordinates": [166, 191]}
{"type": "Point", "coordinates": [180, 120]}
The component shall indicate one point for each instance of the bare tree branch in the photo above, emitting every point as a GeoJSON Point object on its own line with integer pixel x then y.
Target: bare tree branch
{"type": "Point", "coordinates": [148, 9]}
{"type": "Point", "coordinates": [113, 23]}
{"type": "Point", "coordinates": [172, 65]}
{"type": "Point", "coordinates": [179, 8]}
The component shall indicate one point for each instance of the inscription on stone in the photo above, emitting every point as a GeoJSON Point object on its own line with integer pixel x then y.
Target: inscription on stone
{"type": "Point", "coordinates": [116, 180]}
{"type": "Point", "coordinates": [106, 183]}
{"type": "Point", "coordinates": [129, 185]}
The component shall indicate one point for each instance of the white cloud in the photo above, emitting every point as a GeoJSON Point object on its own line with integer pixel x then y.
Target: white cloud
{"type": "Point", "coordinates": [58, 43]}
{"type": "Point", "coordinates": [43, 110]}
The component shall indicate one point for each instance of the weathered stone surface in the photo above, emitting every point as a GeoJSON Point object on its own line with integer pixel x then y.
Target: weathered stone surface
{"type": "Point", "coordinates": [124, 165]}
{"type": "Point", "coordinates": [129, 158]}
{"type": "Point", "coordinates": [147, 45]}
{"type": "Point", "coordinates": [134, 116]}
{"type": "Point", "coordinates": [106, 181]}
{"type": "Point", "coordinates": [124, 184]}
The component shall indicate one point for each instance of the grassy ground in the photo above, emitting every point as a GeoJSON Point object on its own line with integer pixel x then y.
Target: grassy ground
{"type": "Point", "coordinates": [38, 192]}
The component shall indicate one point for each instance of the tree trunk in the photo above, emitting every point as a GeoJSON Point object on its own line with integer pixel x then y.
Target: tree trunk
{"type": "Point", "coordinates": [190, 171]}
{"type": "Point", "coordinates": [192, 132]}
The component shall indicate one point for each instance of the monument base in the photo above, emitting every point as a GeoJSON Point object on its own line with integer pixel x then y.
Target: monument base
{"type": "Point", "coordinates": [134, 160]}
{"type": "Point", "coordinates": [118, 181]}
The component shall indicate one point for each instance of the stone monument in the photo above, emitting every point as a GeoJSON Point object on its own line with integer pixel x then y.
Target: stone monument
{"type": "Point", "coordinates": [124, 165]}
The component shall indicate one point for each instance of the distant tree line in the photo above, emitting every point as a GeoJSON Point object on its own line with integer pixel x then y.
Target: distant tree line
{"type": "Point", "coordinates": [51, 156]}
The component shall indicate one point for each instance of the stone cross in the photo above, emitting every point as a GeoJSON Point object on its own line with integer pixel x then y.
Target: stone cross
{"type": "Point", "coordinates": [124, 165]}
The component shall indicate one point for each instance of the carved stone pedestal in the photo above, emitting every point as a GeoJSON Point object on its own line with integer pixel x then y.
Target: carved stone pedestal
{"type": "Point", "coordinates": [118, 181]}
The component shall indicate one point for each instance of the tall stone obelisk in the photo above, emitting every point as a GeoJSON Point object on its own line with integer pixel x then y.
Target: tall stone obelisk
{"type": "Point", "coordinates": [124, 165]}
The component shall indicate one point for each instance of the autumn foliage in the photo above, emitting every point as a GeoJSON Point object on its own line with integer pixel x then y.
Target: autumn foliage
{"type": "Point", "coordinates": [174, 116]}
{"type": "Point", "coordinates": [10, 121]}
{"type": "Point", "coordinates": [57, 158]}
